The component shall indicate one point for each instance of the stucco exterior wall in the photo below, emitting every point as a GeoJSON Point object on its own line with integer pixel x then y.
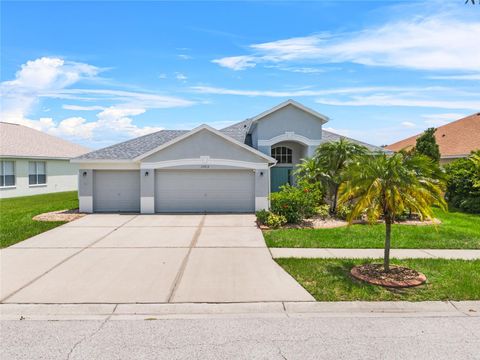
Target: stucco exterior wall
{"type": "Point", "coordinates": [204, 143]}
{"type": "Point", "coordinates": [287, 119]}
{"type": "Point", "coordinates": [61, 176]}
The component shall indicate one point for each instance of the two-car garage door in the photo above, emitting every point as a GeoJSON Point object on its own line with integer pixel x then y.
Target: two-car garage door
{"type": "Point", "coordinates": [204, 191]}
{"type": "Point", "coordinates": [199, 190]}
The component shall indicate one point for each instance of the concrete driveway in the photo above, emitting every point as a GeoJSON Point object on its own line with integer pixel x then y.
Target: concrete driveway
{"type": "Point", "coordinates": [112, 258]}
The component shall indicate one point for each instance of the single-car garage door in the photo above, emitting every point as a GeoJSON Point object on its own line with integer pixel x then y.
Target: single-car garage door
{"type": "Point", "coordinates": [116, 190]}
{"type": "Point", "coordinates": [204, 190]}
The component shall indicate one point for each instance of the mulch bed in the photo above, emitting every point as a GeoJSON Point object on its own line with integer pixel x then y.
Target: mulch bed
{"type": "Point", "coordinates": [397, 277]}
{"type": "Point", "coordinates": [60, 215]}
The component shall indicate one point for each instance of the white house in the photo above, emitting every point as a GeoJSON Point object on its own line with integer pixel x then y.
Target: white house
{"type": "Point", "coordinates": [32, 162]}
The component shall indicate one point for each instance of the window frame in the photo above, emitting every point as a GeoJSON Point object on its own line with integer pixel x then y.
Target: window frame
{"type": "Point", "coordinates": [283, 154]}
{"type": "Point", "coordinates": [3, 175]}
{"type": "Point", "coordinates": [37, 174]}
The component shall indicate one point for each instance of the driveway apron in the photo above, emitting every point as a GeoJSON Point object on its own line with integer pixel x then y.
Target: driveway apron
{"type": "Point", "coordinates": [112, 258]}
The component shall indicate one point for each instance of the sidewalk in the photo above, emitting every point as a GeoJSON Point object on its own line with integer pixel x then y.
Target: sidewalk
{"type": "Point", "coordinates": [316, 253]}
{"type": "Point", "coordinates": [104, 312]}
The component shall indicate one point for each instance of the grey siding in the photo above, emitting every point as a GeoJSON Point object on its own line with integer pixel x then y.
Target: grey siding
{"type": "Point", "coordinates": [204, 143]}
{"type": "Point", "coordinates": [286, 119]}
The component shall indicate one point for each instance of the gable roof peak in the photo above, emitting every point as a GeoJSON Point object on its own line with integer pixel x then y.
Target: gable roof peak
{"type": "Point", "coordinates": [296, 104]}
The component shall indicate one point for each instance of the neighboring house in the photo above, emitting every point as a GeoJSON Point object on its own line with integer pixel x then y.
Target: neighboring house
{"type": "Point", "coordinates": [455, 140]}
{"type": "Point", "coordinates": [203, 170]}
{"type": "Point", "coordinates": [32, 162]}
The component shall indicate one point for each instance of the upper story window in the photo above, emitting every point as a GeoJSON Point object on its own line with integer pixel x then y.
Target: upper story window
{"type": "Point", "coordinates": [282, 154]}
{"type": "Point", "coordinates": [7, 173]}
{"type": "Point", "coordinates": [36, 173]}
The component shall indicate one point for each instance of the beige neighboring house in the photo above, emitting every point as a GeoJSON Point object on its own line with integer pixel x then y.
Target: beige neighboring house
{"type": "Point", "coordinates": [32, 162]}
{"type": "Point", "coordinates": [455, 140]}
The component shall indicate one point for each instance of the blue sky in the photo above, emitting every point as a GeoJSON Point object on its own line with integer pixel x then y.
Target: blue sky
{"type": "Point", "coordinates": [101, 72]}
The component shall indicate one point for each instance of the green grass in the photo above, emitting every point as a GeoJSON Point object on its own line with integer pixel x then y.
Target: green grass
{"type": "Point", "coordinates": [457, 231]}
{"type": "Point", "coordinates": [16, 214]}
{"type": "Point", "coordinates": [329, 280]}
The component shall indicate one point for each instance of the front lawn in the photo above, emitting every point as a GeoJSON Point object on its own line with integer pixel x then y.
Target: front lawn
{"type": "Point", "coordinates": [16, 214]}
{"type": "Point", "coordinates": [457, 231]}
{"type": "Point", "coordinates": [329, 280]}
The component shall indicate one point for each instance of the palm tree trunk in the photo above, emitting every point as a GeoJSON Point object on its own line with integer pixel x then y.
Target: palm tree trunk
{"type": "Point", "coordinates": [335, 195]}
{"type": "Point", "coordinates": [386, 256]}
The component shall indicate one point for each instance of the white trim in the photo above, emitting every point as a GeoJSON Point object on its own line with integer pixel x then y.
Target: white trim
{"type": "Point", "coordinates": [203, 161]}
{"type": "Point", "coordinates": [34, 157]}
{"type": "Point", "coordinates": [85, 204]}
{"type": "Point", "coordinates": [459, 156]}
{"type": "Point", "coordinates": [147, 205]}
{"type": "Point", "coordinates": [322, 117]}
{"type": "Point", "coordinates": [289, 136]}
{"type": "Point", "coordinates": [100, 161]}
{"type": "Point", "coordinates": [261, 203]}
{"type": "Point", "coordinates": [109, 166]}
{"type": "Point", "coordinates": [8, 187]}
{"type": "Point", "coordinates": [37, 185]}
{"type": "Point", "coordinates": [212, 130]}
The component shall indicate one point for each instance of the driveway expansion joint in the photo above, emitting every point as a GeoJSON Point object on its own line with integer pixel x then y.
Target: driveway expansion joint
{"type": "Point", "coordinates": [8, 296]}
{"type": "Point", "coordinates": [183, 265]}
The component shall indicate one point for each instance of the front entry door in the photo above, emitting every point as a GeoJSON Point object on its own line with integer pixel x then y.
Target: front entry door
{"type": "Point", "coordinates": [279, 176]}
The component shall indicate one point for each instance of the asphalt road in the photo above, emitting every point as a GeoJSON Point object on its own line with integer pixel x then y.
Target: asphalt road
{"type": "Point", "coordinates": [386, 337]}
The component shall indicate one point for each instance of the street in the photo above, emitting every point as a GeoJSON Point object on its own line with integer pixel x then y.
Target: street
{"type": "Point", "coordinates": [303, 337]}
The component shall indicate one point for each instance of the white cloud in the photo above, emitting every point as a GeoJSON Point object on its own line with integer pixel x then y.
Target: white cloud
{"type": "Point", "coordinates": [181, 77]}
{"type": "Point", "coordinates": [401, 100]}
{"type": "Point", "coordinates": [303, 70]}
{"type": "Point", "coordinates": [408, 124]}
{"type": "Point", "coordinates": [82, 108]}
{"type": "Point", "coordinates": [293, 93]}
{"type": "Point", "coordinates": [237, 62]}
{"type": "Point", "coordinates": [162, 76]}
{"type": "Point", "coordinates": [53, 77]}
{"type": "Point", "coordinates": [456, 77]}
{"type": "Point", "coordinates": [184, 57]}
{"type": "Point", "coordinates": [436, 42]}
{"type": "Point", "coordinates": [434, 97]}
{"type": "Point", "coordinates": [441, 119]}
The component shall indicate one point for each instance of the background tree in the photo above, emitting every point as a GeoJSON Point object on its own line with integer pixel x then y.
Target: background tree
{"type": "Point", "coordinates": [385, 186]}
{"type": "Point", "coordinates": [427, 144]}
{"type": "Point", "coordinates": [463, 183]}
{"type": "Point", "coordinates": [328, 165]}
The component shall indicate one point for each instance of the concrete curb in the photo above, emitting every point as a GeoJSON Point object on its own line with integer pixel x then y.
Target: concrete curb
{"type": "Point", "coordinates": [104, 312]}
{"type": "Point", "coordinates": [330, 253]}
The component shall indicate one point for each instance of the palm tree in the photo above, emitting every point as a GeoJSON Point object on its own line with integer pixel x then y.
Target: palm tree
{"type": "Point", "coordinates": [384, 186]}
{"type": "Point", "coordinates": [328, 165]}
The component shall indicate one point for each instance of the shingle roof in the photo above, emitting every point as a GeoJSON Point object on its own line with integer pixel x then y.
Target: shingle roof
{"type": "Point", "coordinates": [330, 136]}
{"type": "Point", "coordinates": [130, 149]}
{"type": "Point", "coordinates": [22, 141]}
{"type": "Point", "coordinates": [457, 138]}
{"type": "Point", "coordinates": [239, 130]}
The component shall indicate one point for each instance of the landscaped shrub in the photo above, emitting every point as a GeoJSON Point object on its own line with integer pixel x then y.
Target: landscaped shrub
{"type": "Point", "coordinates": [322, 211]}
{"type": "Point", "coordinates": [274, 221]}
{"type": "Point", "coordinates": [296, 203]}
{"type": "Point", "coordinates": [343, 211]}
{"type": "Point", "coordinates": [262, 216]}
{"type": "Point", "coordinates": [462, 193]}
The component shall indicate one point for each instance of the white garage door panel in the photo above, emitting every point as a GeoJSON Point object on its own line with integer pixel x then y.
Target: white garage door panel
{"type": "Point", "coordinates": [205, 191]}
{"type": "Point", "coordinates": [117, 190]}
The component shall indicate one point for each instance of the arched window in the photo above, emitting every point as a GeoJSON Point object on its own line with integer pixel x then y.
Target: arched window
{"type": "Point", "coordinates": [282, 154]}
